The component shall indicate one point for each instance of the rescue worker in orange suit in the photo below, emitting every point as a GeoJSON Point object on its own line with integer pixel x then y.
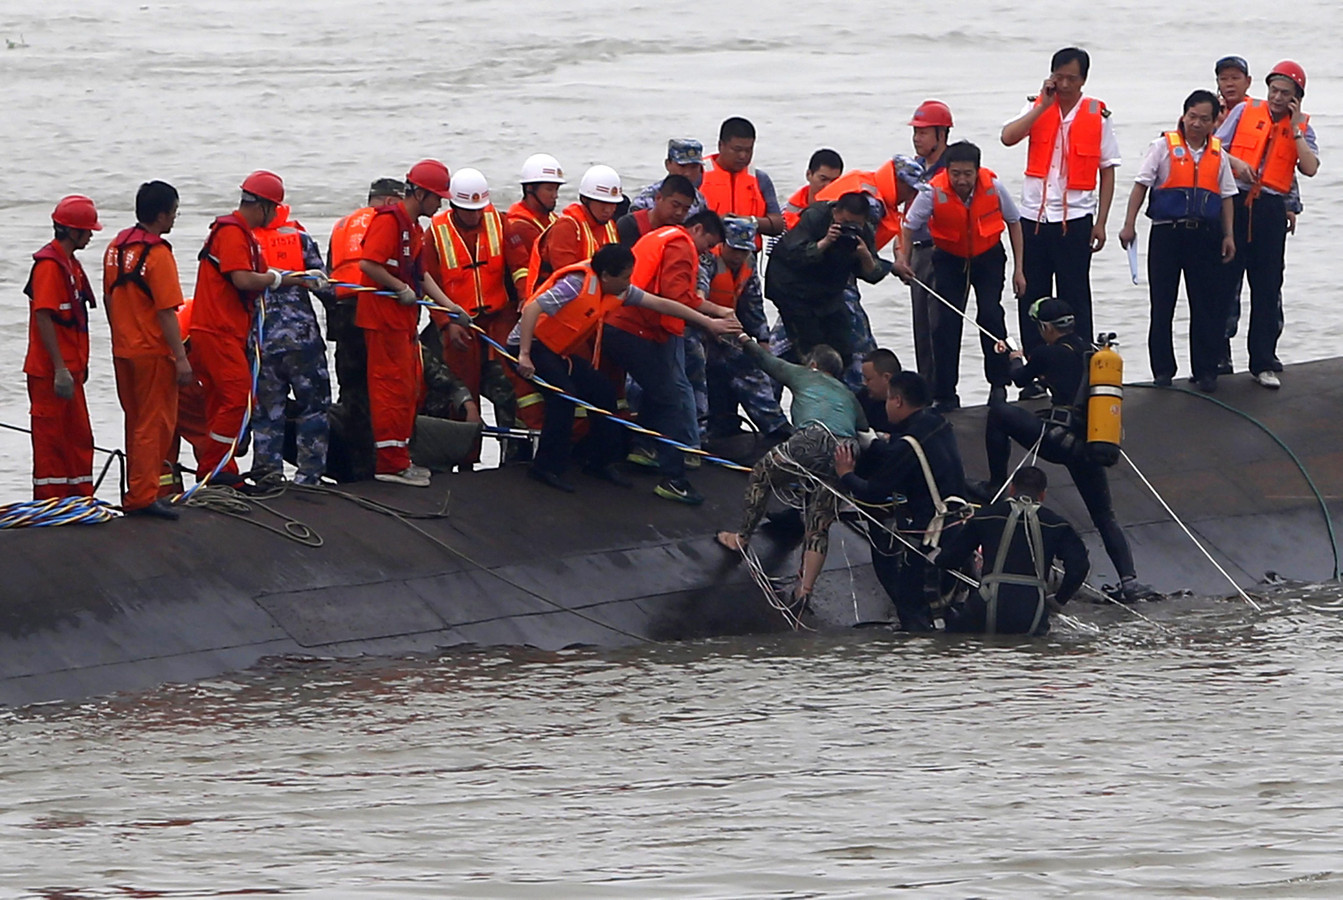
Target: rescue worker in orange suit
{"type": "Point", "coordinates": [390, 261]}
{"type": "Point", "coordinates": [732, 187]}
{"type": "Point", "coordinates": [966, 210]}
{"type": "Point", "coordinates": [1072, 151]}
{"type": "Point", "coordinates": [651, 347]}
{"type": "Point", "coordinates": [1189, 175]}
{"type": "Point", "coordinates": [581, 230]}
{"type": "Point", "coordinates": [931, 125]}
{"type": "Point", "coordinates": [57, 364]}
{"type": "Point", "coordinates": [231, 277]}
{"type": "Point", "coordinates": [347, 239]}
{"type": "Point", "coordinates": [671, 205]}
{"type": "Point", "coordinates": [541, 177]}
{"type": "Point", "coordinates": [1269, 142]}
{"type": "Point", "coordinates": [466, 258]}
{"type": "Point", "coordinates": [142, 292]}
{"type": "Point", "coordinates": [557, 324]}
{"type": "Point", "coordinates": [824, 167]}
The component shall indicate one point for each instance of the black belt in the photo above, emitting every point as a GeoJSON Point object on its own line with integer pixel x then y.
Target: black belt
{"type": "Point", "coordinates": [1187, 223]}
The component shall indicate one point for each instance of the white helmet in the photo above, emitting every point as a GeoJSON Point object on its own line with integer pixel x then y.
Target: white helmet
{"type": "Point", "coordinates": [601, 183]}
{"type": "Point", "coordinates": [469, 189]}
{"type": "Point", "coordinates": [541, 168]}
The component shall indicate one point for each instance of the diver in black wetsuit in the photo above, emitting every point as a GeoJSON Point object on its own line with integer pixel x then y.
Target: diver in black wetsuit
{"type": "Point", "coordinates": [1021, 539]}
{"type": "Point", "coordinates": [897, 467]}
{"type": "Point", "coordinates": [1059, 364]}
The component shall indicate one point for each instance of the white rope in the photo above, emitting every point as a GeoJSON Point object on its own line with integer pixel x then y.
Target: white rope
{"type": "Point", "coordinates": [960, 312]}
{"type": "Point", "coordinates": [1185, 528]}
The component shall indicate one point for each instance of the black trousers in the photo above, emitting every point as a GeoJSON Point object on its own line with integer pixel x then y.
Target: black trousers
{"type": "Point", "coordinates": [908, 578]}
{"type": "Point", "coordinates": [1193, 250]}
{"type": "Point", "coordinates": [1009, 423]}
{"type": "Point", "coordinates": [953, 277]}
{"type": "Point", "coordinates": [574, 376]}
{"type": "Point", "coordinates": [806, 330]}
{"type": "Point", "coordinates": [1261, 247]}
{"type": "Point", "coordinates": [1056, 259]}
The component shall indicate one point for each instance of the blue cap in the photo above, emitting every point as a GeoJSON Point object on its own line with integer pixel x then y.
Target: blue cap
{"type": "Point", "coordinates": [1231, 62]}
{"type": "Point", "coordinates": [685, 152]}
{"type": "Point", "coordinates": [739, 233]}
{"type": "Point", "coordinates": [908, 169]}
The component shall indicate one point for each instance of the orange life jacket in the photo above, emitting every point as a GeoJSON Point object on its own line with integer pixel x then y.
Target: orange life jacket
{"type": "Point", "coordinates": [123, 264]}
{"type": "Point", "coordinates": [732, 193]}
{"type": "Point", "coordinates": [648, 256]}
{"type": "Point", "coordinates": [374, 311]}
{"type": "Point", "coordinates": [1081, 144]}
{"type": "Point", "coordinates": [578, 319]}
{"type": "Point", "coordinates": [962, 230]}
{"type": "Point", "coordinates": [472, 277]}
{"type": "Point", "coordinates": [592, 235]}
{"type": "Point", "coordinates": [347, 241]}
{"type": "Point", "coordinates": [1192, 190]}
{"type": "Point", "coordinates": [1268, 147]}
{"type": "Point", "coordinates": [72, 319]}
{"type": "Point", "coordinates": [726, 286]}
{"type": "Point", "coordinates": [233, 220]}
{"type": "Point", "coordinates": [792, 210]}
{"type": "Point", "coordinates": [281, 246]}
{"type": "Point", "coordinates": [880, 184]}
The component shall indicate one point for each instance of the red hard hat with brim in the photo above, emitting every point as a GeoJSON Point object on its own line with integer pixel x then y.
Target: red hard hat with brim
{"type": "Point", "coordinates": [932, 114]}
{"type": "Point", "coordinates": [266, 185]}
{"type": "Point", "coordinates": [1290, 70]}
{"type": "Point", "coordinates": [432, 176]}
{"type": "Point", "coordinates": [76, 211]}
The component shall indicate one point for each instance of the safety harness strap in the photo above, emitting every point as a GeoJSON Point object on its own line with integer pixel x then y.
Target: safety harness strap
{"type": "Point", "coordinates": [1029, 510]}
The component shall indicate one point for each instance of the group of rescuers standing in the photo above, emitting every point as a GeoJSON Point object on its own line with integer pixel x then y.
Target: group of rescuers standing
{"type": "Point", "coordinates": [595, 300]}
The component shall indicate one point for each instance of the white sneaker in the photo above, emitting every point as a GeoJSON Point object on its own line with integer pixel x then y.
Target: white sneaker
{"type": "Point", "coordinates": [420, 471]}
{"type": "Point", "coordinates": [407, 476]}
{"type": "Point", "coordinates": [1269, 380]}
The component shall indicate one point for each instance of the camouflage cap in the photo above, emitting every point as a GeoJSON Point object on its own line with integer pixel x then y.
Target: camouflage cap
{"type": "Point", "coordinates": [685, 152]}
{"type": "Point", "coordinates": [387, 187]}
{"type": "Point", "coordinates": [908, 169]}
{"type": "Point", "coordinates": [739, 233]}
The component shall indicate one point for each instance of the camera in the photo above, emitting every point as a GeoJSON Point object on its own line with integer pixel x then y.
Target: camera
{"type": "Point", "coordinates": [849, 236]}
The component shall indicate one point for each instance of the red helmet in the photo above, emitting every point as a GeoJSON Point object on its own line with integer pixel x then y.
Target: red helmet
{"type": "Point", "coordinates": [432, 176]}
{"type": "Point", "coordinates": [1292, 70]}
{"type": "Point", "coordinates": [76, 211]}
{"type": "Point", "coordinates": [931, 114]}
{"type": "Point", "coordinates": [266, 185]}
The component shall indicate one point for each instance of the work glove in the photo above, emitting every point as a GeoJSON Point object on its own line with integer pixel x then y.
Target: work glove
{"type": "Point", "coordinates": [407, 296]}
{"type": "Point", "coordinates": [317, 280]}
{"type": "Point", "coordinates": [65, 384]}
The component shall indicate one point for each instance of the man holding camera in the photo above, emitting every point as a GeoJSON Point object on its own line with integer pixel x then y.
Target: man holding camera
{"type": "Point", "coordinates": [810, 267]}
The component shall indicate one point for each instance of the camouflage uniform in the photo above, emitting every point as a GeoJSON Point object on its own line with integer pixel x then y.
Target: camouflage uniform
{"type": "Point", "coordinates": [445, 395]}
{"type": "Point", "coordinates": [732, 377]}
{"type": "Point", "coordinates": [862, 341]}
{"type": "Point", "coordinates": [683, 151]}
{"type": "Point", "coordinates": [648, 193]}
{"type": "Point", "coordinates": [293, 359]}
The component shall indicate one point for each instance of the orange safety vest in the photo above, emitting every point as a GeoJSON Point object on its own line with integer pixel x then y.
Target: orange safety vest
{"type": "Point", "coordinates": [1081, 143]}
{"type": "Point", "coordinates": [648, 256]}
{"type": "Point", "coordinates": [1268, 147]}
{"type": "Point", "coordinates": [72, 318]}
{"type": "Point", "coordinates": [347, 242]}
{"type": "Point", "coordinates": [473, 278]}
{"type": "Point", "coordinates": [880, 184]}
{"type": "Point", "coordinates": [732, 193]}
{"type": "Point", "coordinates": [593, 236]}
{"type": "Point", "coordinates": [792, 210]}
{"type": "Point", "coordinates": [578, 319]}
{"type": "Point", "coordinates": [120, 251]}
{"type": "Point", "coordinates": [1192, 190]}
{"type": "Point", "coordinates": [961, 230]}
{"type": "Point", "coordinates": [726, 286]}
{"type": "Point", "coordinates": [281, 246]}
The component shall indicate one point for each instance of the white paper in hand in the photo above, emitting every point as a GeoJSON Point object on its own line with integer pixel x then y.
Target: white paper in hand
{"type": "Point", "coordinates": [1133, 258]}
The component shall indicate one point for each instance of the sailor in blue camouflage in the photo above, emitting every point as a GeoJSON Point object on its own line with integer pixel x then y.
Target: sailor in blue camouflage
{"type": "Point", "coordinates": [686, 157]}
{"type": "Point", "coordinates": [862, 339]}
{"type": "Point", "coordinates": [732, 377]}
{"type": "Point", "coordinates": [293, 360]}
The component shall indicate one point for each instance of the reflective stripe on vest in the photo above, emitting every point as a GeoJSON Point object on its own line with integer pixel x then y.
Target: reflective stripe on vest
{"type": "Point", "coordinates": [961, 229]}
{"type": "Point", "coordinates": [1081, 157]}
{"type": "Point", "coordinates": [1192, 190]}
{"type": "Point", "coordinates": [539, 269]}
{"type": "Point", "coordinates": [1268, 147]}
{"type": "Point", "coordinates": [79, 293]}
{"type": "Point", "coordinates": [472, 281]}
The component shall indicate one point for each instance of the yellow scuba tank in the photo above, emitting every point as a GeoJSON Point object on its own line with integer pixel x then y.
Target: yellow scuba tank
{"type": "Point", "coordinates": [1105, 401]}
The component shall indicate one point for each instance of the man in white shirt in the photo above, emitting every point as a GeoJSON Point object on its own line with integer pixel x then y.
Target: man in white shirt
{"type": "Point", "coordinates": [1072, 153]}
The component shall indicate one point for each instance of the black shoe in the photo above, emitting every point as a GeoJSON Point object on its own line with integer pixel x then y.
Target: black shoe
{"type": "Point", "coordinates": [609, 473]}
{"type": "Point", "coordinates": [998, 394]}
{"type": "Point", "coordinates": [680, 490]}
{"type": "Point", "coordinates": [947, 404]}
{"type": "Point", "coordinates": [1207, 384]}
{"type": "Point", "coordinates": [159, 509]}
{"type": "Point", "coordinates": [1032, 392]}
{"type": "Point", "coordinates": [229, 480]}
{"type": "Point", "coordinates": [1276, 365]}
{"type": "Point", "coordinates": [1224, 367]}
{"type": "Point", "coordinates": [550, 478]}
{"type": "Point", "coordinates": [1162, 381]}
